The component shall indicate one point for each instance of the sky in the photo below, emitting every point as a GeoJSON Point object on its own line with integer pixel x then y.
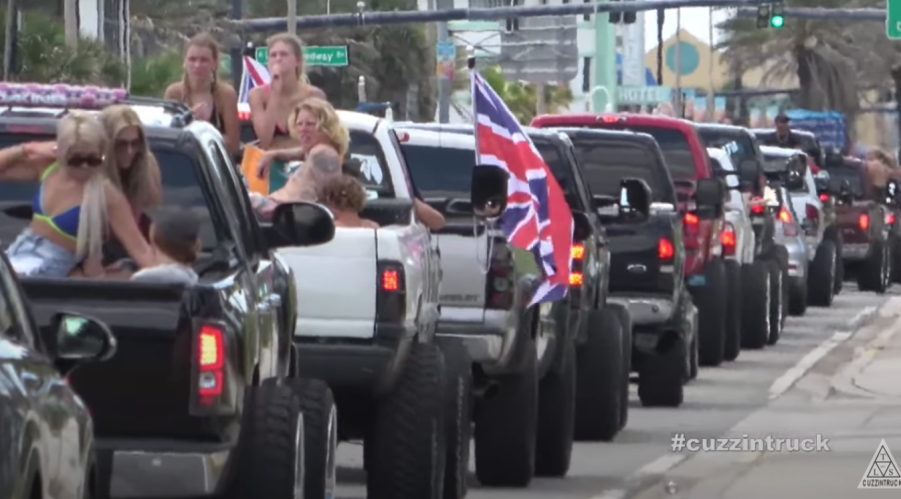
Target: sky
{"type": "Point", "coordinates": [694, 20]}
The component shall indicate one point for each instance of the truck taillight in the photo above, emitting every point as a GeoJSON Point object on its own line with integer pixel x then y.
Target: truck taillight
{"type": "Point", "coordinates": [890, 219]}
{"type": "Point", "coordinates": [812, 212]}
{"type": "Point", "coordinates": [578, 251]}
{"type": "Point", "coordinates": [210, 363]}
{"type": "Point", "coordinates": [499, 285]}
{"type": "Point", "coordinates": [690, 222]}
{"type": "Point", "coordinates": [727, 237]}
{"type": "Point", "coordinates": [863, 222]}
{"type": "Point", "coordinates": [665, 249]}
{"type": "Point", "coordinates": [244, 115]}
{"type": "Point", "coordinates": [824, 197]}
{"type": "Point", "coordinates": [784, 216]}
{"type": "Point", "coordinates": [390, 299]}
{"type": "Point", "coordinates": [575, 278]}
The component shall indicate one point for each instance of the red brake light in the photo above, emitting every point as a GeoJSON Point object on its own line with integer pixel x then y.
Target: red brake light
{"type": "Point", "coordinates": [210, 348]}
{"type": "Point", "coordinates": [691, 219]}
{"type": "Point", "coordinates": [812, 212]}
{"type": "Point", "coordinates": [784, 215]}
{"type": "Point", "coordinates": [890, 219]}
{"type": "Point", "coordinates": [578, 251]}
{"type": "Point", "coordinates": [727, 237]}
{"type": "Point", "coordinates": [390, 281]}
{"type": "Point", "coordinates": [575, 278]}
{"type": "Point", "coordinates": [863, 222]}
{"type": "Point", "coordinates": [665, 250]}
{"type": "Point", "coordinates": [244, 115]}
{"type": "Point", "coordinates": [824, 197]}
{"type": "Point", "coordinates": [757, 208]}
{"type": "Point", "coordinates": [609, 118]}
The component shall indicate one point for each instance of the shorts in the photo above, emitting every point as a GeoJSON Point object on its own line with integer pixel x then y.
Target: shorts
{"type": "Point", "coordinates": [33, 255]}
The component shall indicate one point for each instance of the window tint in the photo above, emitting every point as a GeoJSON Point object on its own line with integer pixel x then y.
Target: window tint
{"type": "Point", "coordinates": [731, 180]}
{"type": "Point", "coordinates": [440, 172]}
{"type": "Point", "coordinates": [561, 169]}
{"type": "Point", "coordinates": [675, 148]}
{"type": "Point", "coordinates": [739, 145]}
{"type": "Point", "coordinates": [375, 176]}
{"type": "Point", "coordinates": [605, 163]}
{"type": "Point", "coordinates": [774, 163]}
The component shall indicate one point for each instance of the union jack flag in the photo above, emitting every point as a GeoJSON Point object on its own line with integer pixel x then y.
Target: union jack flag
{"type": "Point", "coordinates": [537, 217]}
{"type": "Point", "coordinates": [255, 75]}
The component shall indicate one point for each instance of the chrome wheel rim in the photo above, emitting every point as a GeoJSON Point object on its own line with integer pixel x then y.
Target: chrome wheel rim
{"type": "Point", "coordinates": [332, 445]}
{"type": "Point", "coordinates": [298, 458]}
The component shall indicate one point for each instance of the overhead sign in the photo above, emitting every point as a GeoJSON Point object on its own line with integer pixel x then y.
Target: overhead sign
{"type": "Point", "coordinates": [643, 95]}
{"type": "Point", "coordinates": [543, 50]}
{"type": "Point", "coordinates": [334, 56]}
{"type": "Point", "coordinates": [447, 58]}
{"type": "Point", "coordinates": [893, 19]}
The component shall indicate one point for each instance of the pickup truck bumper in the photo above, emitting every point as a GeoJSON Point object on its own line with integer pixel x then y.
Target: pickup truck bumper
{"type": "Point", "coordinates": [653, 315]}
{"type": "Point", "coordinates": [363, 365]}
{"type": "Point", "coordinates": [855, 251]}
{"type": "Point", "coordinates": [141, 468]}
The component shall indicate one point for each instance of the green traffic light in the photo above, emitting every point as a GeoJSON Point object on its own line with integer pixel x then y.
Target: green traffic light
{"type": "Point", "coordinates": [777, 21]}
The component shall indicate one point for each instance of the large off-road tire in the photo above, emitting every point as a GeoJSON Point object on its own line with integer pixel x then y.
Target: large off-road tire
{"type": "Point", "coordinates": [780, 254]}
{"type": "Point", "coordinates": [407, 437]}
{"type": "Point", "coordinates": [506, 428]}
{"type": "Point", "coordinates": [776, 299]}
{"type": "Point", "coordinates": [711, 299]}
{"type": "Point", "coordinates": [821, 275]}
{"type": "Point", "coordinates": [839, 279]}
{"type": "Point", "coordinates": [755, 315]}
{"type": "Point", "coordinates": [873, 276]}
{"type": "Point", "coordinates": [556, 415]}
{"type": "Point", "coordinates": [733, 311]}
{"type": "Point", "coordinates": [661, 377]}
{"type": "Point", "coordinates": [797, 297]}
{"type": "Point", "coordinates": [599, 378]}
{"type": "Point", "coordinates": [625, 321]}
{"type": "Point", "coordinates": [458, 419]}
{"type": "Point", "coordinates": [320, 425]}
{"type": "Point", "coordinates": [270, 454]}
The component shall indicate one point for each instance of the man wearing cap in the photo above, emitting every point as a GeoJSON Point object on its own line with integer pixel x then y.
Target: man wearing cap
{"type": "Point", "coordinates": [782, 137]}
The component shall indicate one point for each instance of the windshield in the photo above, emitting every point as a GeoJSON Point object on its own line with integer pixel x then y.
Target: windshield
{"type": "Point", "coordinates": [440, 172]}
{"type": "Point", "coordinates": [738, 145]}
{"type": "Point", "coordinates": [850, 173]}
{"type": "Point", "coordinates": [605, 163]}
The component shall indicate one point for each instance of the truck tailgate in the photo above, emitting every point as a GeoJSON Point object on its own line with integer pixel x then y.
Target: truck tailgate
{"type": "Point", "coordinates": [635, 265]}
{"type": "Point", "coordinates": [848, 220]}
{"type": "Point", "coordinates": [144, 389]}
{"type": "Point", "coordinates": [463, 260]}
{"type": "Point", "coordinates": [336, 285]}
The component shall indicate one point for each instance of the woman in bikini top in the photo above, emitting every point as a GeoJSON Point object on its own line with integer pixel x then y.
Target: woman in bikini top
{"type": "Point", "coordinates": [210, 99]}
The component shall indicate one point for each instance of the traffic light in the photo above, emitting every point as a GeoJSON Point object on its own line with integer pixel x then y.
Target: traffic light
{"type": "Point", "coordinates": [777, 16]}
{"type": "Point", "coordinates": [623, 17]}
{"type": "Point", "coordinates": [630, 17]}
{"type": "Point", "coordinates": [615, 17]}
{"type": "Point", "coordinates": [763, 16]}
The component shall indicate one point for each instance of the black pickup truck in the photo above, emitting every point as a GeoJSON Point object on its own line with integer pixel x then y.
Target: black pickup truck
{"type": "Point", "coordinates": [201, 398]}
{"type": "Point", "coordinates": [585, 378]}
{"type": "Point", "coordinates": [634, 194]}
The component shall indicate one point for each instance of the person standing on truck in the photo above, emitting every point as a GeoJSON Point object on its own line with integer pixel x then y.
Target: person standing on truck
{"type": "Point", "coordinates": [782, 137]}
{"type": "Point", "coordinates": [200, 89]}
{"type": "Point", "coordinates": [74, 206]}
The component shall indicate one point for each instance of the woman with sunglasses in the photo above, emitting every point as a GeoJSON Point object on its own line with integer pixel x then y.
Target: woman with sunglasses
{"type": "Point", "coordinates": [74, 205]}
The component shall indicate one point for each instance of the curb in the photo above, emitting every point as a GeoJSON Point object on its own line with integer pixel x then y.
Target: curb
{"type": "Point", "coordinates": [843, 381]}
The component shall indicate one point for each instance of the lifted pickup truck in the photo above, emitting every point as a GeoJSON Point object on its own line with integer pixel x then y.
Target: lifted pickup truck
{"type": "Point", "coordinates": [367, 309]}
{"type": "Point", "coordinates": [647, 255]}
{"type": "Point", "coordinates": [687, 162]}
{"type": "Point", "coordinates": [862, 219]}
{"type": "Point", "coordinates": [202, 396]}
{"type": "Point", "coordinates": [587, 336]}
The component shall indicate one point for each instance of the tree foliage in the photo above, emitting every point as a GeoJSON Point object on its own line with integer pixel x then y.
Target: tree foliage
{"type": "Point", "coordinates": [522, 98]}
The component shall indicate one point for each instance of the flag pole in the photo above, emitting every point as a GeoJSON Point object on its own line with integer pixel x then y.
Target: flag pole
{"type": "Point", "coordinates": [471, 66]}
{"type": "Point", "coordinates": [485, 265]}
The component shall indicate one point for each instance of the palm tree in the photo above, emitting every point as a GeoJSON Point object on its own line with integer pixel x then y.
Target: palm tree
{"type": "Point", "coordinates": [830, 60]}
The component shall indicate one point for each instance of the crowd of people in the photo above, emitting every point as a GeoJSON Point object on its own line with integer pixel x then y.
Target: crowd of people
{"type": "Point", "coordinates": [99, 179]}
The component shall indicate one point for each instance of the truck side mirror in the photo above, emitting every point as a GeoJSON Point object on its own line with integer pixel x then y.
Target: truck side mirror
{"type": "Point", "coordinates": [749, 176]}
{"type": "Point", "coordinates": [488, 191]}
{"type": "Point", "coordinates": [709, 194]}
{"type": "Point", "coordinates": [634, 198]}
{"type": "Point", "coordinates": [796, 170]}
{"type": "Point", "coordinates": [300, 224]}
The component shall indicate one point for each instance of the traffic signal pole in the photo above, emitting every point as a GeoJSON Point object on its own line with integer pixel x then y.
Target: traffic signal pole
{"type": "Point", "coordinates": [364, 18]}
{"type": "Point", "coordinates": [604, 61]}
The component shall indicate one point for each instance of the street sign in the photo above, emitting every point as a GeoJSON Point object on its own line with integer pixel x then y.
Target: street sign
{"type": "Point", "coordinates": [544, 50]}
{"type": "Point", "coordinates": [643, 95]}
{"type": "Point", "coordinates": [893, 19]}
{"type": "Point", "coordinates": [335, 56]}
{"type": "Point", "coordinates": [447, 58]}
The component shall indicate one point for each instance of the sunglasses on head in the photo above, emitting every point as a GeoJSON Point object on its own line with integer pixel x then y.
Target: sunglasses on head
{"type": "Point", "coordinates": [85, 161]}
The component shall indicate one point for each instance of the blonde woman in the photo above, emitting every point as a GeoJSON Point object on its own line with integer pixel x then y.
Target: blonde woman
{"type": "Point", "coordinates": [74, 205]}
{"type": "Point", "coordinates": [210, 99]}
{"type": "Point", "coordinates": [132, 166]}
{"type": "Point", "coordinates": [272, 104]}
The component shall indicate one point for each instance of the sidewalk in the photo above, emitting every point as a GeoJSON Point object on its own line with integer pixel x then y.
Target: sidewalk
{"type": "Point", "coordinates": [863, 407]}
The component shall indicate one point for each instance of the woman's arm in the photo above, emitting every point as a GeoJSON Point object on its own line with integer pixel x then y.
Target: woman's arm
{"type": "Point", "coordinates": [125, 228]}
{"type": "Point", "coordinates": [430, 216]}
{"type": "Point", "coordinates": [262, 116]}
{"type": "Point", "coordinates": [229, 113]}
{"type": "Point", "coordinates": [26, 162]}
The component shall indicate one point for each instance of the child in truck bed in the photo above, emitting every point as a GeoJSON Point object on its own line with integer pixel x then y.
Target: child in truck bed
{"type": "Point", "coordinates": [175, 234]}
{"type": "Point", "coordinates": [345, 197]}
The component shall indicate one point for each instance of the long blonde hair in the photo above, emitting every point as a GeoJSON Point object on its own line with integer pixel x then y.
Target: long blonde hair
{"type": "Point", "coordinates": [137, 180]}
{"type": "Point", "coordinates": [327, 122]}
{"type": "Point", "coordinates": [81, 128]}
{"type": "Point", "coordinates": [296, 45]}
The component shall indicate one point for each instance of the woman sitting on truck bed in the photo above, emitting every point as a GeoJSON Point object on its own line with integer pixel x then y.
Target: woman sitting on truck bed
{"type": "Point", "coordinates": [345, 197]}
{"type": "Point", "coordinates": [74, 205]}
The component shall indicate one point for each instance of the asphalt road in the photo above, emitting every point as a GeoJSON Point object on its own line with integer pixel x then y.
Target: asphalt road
{"type": "Point", "coordinates": [715, 402]}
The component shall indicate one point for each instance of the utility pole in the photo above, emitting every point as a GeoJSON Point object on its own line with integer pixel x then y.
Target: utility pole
{"type": "Point", "coordinates": [540, 99]}
{"type": "Point", "coordinates": [70, 18]}
{"type": "Point", "coordinates": [444, 83]}
{"type": "Point", "coordinates": [11, 40]}
{"type": "Point", "coordinates": [236, 52]}
{"type": "Point", "coordinates": [292, 17]}
{"type": "Point", "coordinates": [604, 61]}
{"type": "Point", "coordinates": [711, 103]}
{"type": "Point", "coordinates": [677, 61]}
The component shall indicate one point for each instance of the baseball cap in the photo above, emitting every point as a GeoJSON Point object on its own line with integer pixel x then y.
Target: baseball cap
{"type": "Point", "coordinates": [782, 118]}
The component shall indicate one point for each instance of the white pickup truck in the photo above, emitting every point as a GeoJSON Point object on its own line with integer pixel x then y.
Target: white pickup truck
{"type": "Point", "coordinates": [367, 309]}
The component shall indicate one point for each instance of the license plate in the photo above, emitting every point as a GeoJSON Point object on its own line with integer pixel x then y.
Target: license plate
{"type": "Point", "coordinates": [697, 280]}
{"type": "Point", "coordinates": [757, 221]}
